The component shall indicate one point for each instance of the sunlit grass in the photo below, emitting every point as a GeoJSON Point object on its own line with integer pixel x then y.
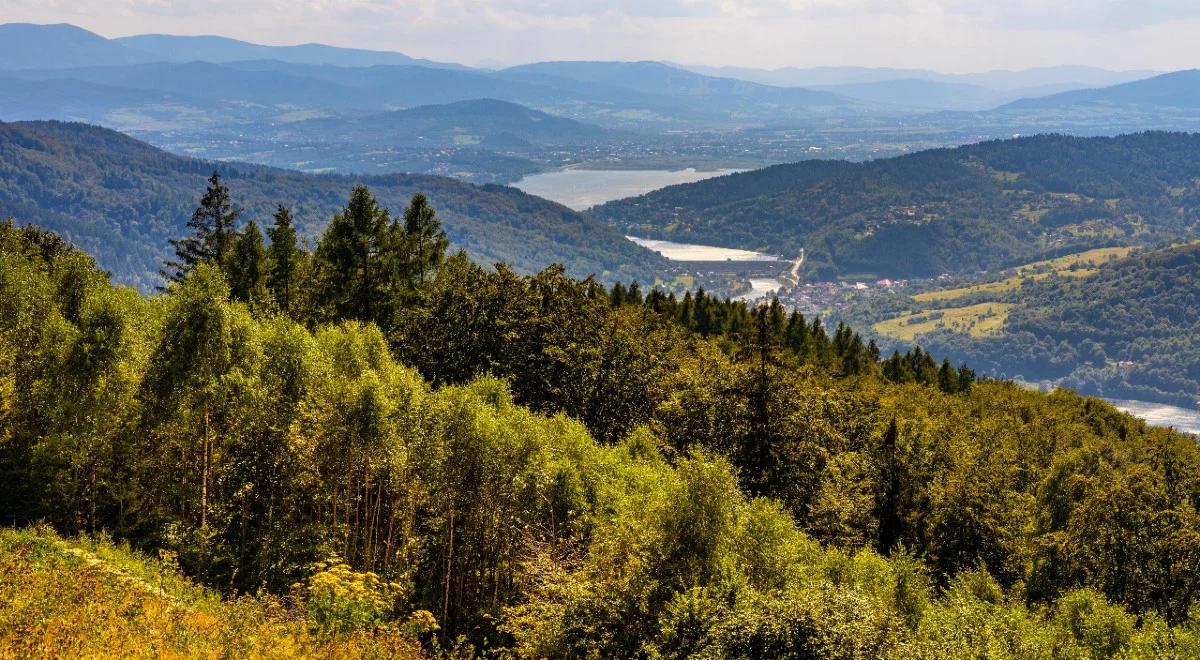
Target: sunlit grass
{"type": "Point", "coordinates": [1082, 264]}
{"type": "Point", "coordinates": [91, 599]}
{"type": "Point", "coordinates": [982, 320]}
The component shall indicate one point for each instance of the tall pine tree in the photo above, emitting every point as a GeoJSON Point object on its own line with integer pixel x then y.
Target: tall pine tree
{"type": "Point", "coordinates": [213, 233]}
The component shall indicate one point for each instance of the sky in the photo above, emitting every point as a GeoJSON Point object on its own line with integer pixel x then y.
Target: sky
{"type": "Point", "coordinates": [945, 35]}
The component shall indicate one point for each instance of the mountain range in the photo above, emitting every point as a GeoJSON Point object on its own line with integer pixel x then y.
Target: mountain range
{"type": "Point", "coordinates": [121, 200]}
{"type": "Point", "coordinates": [322, 108]}
{"type": "Point", "coordinates": [30, 46]}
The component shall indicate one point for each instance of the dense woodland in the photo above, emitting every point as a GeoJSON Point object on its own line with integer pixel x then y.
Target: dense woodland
{"type": "Point", "coordinates": [979, 207]}
{"type": "Point", "coordinates": [533, 465]}
{"type": "Point", "coordinates": [121, 200]}
{"type": "Point", "coordinates": [1132, 330]}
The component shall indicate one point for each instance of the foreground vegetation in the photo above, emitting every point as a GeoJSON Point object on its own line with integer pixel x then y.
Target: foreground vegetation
{"type": "Point", "coordinates": [407, 451]}
{"type": "Point", "coordinates": [89, 598]}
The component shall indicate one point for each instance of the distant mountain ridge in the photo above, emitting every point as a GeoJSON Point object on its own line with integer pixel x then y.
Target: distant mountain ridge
{"type": "Point", "coordinates": [484, 122]}
{"type": "Point", "coordinates": [1180, 89]}
{"type": "Point", "coordinates": [121, 199]}
{"type": "Point", "coordinates": [30, 46]}
{"type": "Point", "coordinates": [999, 79]}
{"type": "Point", "coordinates": [977, 207]}
{"type": "Point", "coordinates": [211, 48]}
{"type": "Point", "coordinates": [34, 46]}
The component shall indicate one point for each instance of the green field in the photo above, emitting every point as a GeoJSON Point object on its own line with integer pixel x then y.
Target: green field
{"type": "Point", "coordinates": [982, 320]}
{"type": "Point", "coordinates": [1082, 264]}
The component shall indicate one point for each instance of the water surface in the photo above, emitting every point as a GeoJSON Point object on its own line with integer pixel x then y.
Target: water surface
{"type": "Point", "coordinates": [582, 189]}
{"type": "Point", "coordinates": [1161, 414]}
{"type": "Point", "coordinates": [760, 287]}
{"type": "Point", "coordinates": [693, 252]}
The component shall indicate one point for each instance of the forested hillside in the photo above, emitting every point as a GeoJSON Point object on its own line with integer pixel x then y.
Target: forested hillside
{"type": "Point", "coordinates": [978, 207]}
{"type": "Point", "coordinates": [1131, 330]}
{"type": "Point", "coordinates": [121, 200]}
{"type": "Point", "coordinates": [394, 448]}
{"type": "Point", "coordinates": [485, 122]}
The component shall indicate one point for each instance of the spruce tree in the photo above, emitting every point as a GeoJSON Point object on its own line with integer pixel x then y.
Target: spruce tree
{"type": "Point", "coordinates": [213, 233]}
{"type": "Point", "coordinates": [246, 267]}
{"type": "Point", "coordinates": [350, 258]}
{"type": "Point", "coordinates": [284, 258]}
{"type": "Point", "coordinates": [427, 242]}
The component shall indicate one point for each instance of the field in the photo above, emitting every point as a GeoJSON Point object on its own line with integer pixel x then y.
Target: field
{"type": "Point", "coordinates": [88, 599]}
{"type": "Point", "coordinates": [982, 320]}
{"type": "Point", "coordinates": [1082, 264]}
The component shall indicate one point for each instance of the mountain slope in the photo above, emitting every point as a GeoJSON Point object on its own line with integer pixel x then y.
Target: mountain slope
{"type": "Point", "coordinates": [211, 83]}
{"type": "Point", "coordinates": [680, 89]}
{"type": "Point", "coordinates": [486, 122]}
{"type": "Point", "coordinates": [1131, 330]}
{"type": "Point", "coordinates": [29, 46]}
{"type": "Point", "coordinates": [121, 200]}
{"type": "Point", "coordinates": [1175, 91]}
{"type": "Point", "coordinates": [918, 93]}
{"type": "Point", "coordinates": [210, 48]}
{"type": "Point", "coordinates": [1075, 77]}
{"type": "Point", "coordinates": [947, 210]}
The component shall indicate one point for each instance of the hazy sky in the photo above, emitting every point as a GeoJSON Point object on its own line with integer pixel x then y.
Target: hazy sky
{"type": "Point", "coordinates": [949, 35]}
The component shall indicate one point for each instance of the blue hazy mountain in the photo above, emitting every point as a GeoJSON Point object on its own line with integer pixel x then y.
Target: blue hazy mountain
{"type": "Point", "coordinates": [923, 94]}
{"type": "Point", "coordinates": [1057, 78]}
{"type": "Point", "coordinates": [29, 46]}
{"type": "Point", "coordinates": [484, 122]}
{"type": "Point", "coordinates": [32, 46]}
{"type": "Point", "coordinates": [1172, 91]}
{"type": "Point", "coordinates": [665, 80]}
{"type": "Point", "coordinates": [209, 48]}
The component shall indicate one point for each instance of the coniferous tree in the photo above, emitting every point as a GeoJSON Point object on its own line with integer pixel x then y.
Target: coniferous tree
{"type": "Point", "coordinates": [427, 242]}
{"type": "Point", "coordinates": [352, 279]}
{"type": "Point", "coordinates": [246, 267]}
{"type": "Point", "coordinates": [284, 259]}
{"type": "Point", "coordinates": [947, 377]}
{"type": "Point", "coordinates": [213, 233]}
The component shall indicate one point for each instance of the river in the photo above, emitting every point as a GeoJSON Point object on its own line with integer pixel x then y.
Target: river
{"type": "Point", "coordinates": [581, 189]}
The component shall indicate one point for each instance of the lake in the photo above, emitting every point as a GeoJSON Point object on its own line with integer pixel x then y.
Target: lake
{"type": "Point", "coordinates": [581, 189]}
{"type": "Point", "coordinates": [692, 252]}
{"type": "Point", "coordinates": [1160, 414]}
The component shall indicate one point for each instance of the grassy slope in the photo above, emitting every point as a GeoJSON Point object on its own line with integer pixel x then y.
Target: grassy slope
{"type": "Point", "coordinates": [80, 598]}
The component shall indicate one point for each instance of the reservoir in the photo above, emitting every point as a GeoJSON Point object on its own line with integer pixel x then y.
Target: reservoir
{"type": "Point", "coordinates": [1161, 414]}
{"type": "Point", "coordinates": [582, 189]}
{"type": "Point", "coordinates": [692, 252]}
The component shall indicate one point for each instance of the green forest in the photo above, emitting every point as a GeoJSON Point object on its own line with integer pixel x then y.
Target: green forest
{"type": "Point", "coordinates": [377, 447]}
{"type": "Point", "coordinates": [1131, 330]}
{"type": "Point", "coordinates": [983, 206]}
